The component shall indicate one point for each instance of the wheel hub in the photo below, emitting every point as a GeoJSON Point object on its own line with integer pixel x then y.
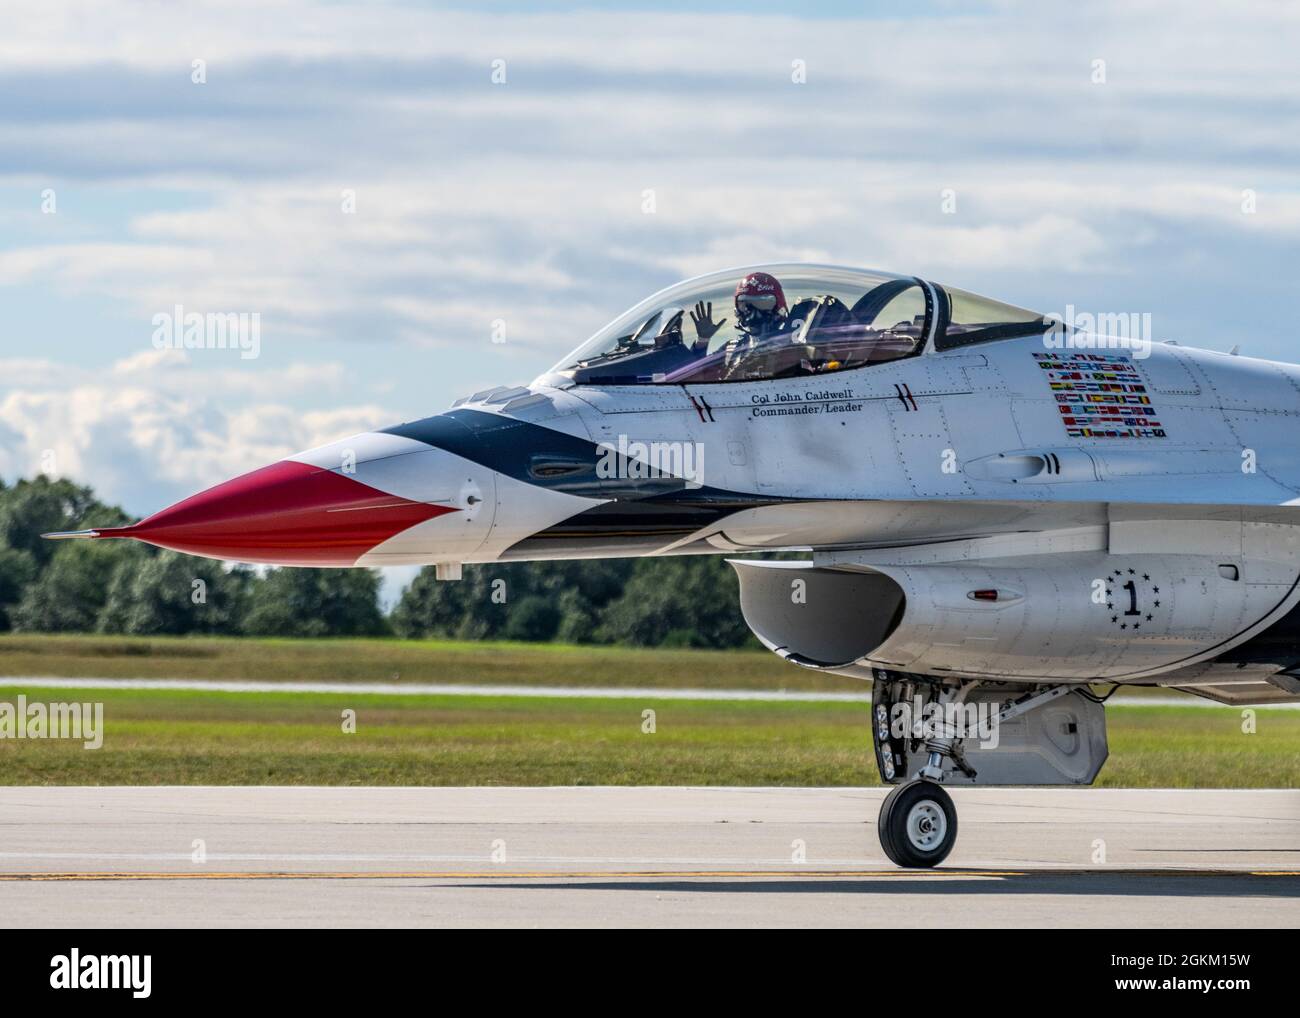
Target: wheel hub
{"type": "Point", "coordinates": [926, 824]}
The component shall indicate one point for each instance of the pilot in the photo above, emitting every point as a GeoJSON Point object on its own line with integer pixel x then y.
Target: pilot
{"type": "Point", "coordinates": [761, 313]}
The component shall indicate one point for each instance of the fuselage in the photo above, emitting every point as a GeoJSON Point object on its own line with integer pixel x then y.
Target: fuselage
{"type": "Point", "coordinates": [946, 438]}
{"type": "Point", "coordinates": [877, 455]}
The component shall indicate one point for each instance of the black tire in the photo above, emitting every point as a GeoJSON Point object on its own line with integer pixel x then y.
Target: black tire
{"type": "Point", "coordinates": [918, 825]}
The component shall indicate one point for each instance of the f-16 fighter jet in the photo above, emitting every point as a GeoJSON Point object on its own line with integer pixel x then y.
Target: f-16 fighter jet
{"type": "Point", "coordinates": [1000, 513]}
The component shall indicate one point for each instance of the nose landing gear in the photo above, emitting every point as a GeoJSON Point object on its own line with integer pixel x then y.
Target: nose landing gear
{"type": "Point", "coordinates": [918, 821]}
{"type": "Point", "coordinates": [928, 731]}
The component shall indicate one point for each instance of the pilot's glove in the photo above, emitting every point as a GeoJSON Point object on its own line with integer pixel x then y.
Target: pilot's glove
{"type": "Point", "coordinates": [702, 317]}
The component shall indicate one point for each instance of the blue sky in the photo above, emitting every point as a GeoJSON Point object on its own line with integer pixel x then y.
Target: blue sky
{"type": "Point", "coordinates": [524, 201]}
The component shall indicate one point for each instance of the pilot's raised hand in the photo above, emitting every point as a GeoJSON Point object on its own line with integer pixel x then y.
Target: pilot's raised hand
{"type": "Point", "coordinates": [702, 317]}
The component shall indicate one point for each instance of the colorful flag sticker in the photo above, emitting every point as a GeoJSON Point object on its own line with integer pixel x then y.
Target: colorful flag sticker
{"type": "Point", "coordinates": [1100, 396]}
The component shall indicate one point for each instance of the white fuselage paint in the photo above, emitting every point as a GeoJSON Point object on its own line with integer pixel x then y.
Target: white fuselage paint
{"type": "Point", "coordinates": [940, 452]}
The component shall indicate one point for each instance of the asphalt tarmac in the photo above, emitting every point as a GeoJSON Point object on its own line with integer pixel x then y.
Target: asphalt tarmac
{"type": "Point", "coordinates": [789, 857]}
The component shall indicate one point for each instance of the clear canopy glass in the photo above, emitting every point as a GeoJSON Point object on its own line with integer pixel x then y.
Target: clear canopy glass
{"type": "Point", "coordinates": [786, 321]}
{"type": "Point", "coordinates": [772, 321]}
{"type": "Point", "coordinates": [968, 318]}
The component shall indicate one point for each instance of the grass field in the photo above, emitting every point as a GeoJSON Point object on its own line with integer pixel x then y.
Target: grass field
{"type": "Point", "coordinates": [443, 661]}
{"type": "Point", "coordinates": [185, 737]}
{"type": "Point", "coordinates": [192, 737]}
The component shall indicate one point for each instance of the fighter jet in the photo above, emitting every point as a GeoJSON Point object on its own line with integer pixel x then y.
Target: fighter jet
{"type": "Point", "coordinates": [998, 515]}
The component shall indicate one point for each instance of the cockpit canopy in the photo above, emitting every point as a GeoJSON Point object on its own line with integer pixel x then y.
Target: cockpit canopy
{"type": "Point", "coordinates": [785, 321]}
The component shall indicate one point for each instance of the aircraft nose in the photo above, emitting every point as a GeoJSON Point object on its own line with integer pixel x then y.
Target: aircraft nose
{"type": "Point", "coordinates": [289, 513]}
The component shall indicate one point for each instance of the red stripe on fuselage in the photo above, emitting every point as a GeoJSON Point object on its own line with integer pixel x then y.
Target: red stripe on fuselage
{"type": "Point", "coordinates": [286, 514]}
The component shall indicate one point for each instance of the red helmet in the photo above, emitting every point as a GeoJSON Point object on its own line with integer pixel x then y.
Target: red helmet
{"type": "Point", "coordinates": [757, 289]}
{"type": "Point", "coordinates": [759, 300]}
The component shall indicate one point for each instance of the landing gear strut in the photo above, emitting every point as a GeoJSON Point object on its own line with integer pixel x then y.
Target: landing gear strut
{"type": "Point", "coordinates": [922, 728]}
{"type": "Point", "coordinates": [918, 822]}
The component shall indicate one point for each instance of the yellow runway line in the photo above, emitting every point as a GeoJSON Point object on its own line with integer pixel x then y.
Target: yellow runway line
{"type": "Point", "coordinates": [499, 875]}
{"type": "Point", "coordinates": [630, 874]}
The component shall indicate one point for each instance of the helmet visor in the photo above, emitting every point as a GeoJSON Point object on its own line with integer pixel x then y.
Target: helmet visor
{"type": "Point", "coordinates": [757, 301]}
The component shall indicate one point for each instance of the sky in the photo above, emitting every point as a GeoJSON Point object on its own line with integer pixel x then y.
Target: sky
{"type": "Point", "coordinates": [392, 189]}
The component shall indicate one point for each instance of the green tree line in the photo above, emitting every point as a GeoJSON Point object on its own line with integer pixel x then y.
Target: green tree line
{"type": "Point", "coordinates": [131, 588]}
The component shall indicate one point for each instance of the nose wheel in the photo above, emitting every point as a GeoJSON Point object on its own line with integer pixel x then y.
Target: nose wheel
{"type": "Point", "coordinates": [918, 824]}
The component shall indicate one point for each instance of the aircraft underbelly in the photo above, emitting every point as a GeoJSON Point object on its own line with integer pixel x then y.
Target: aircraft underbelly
{"type": "Point", "coordinates": [1083, 615]}
{"type": "Point", "coordinates": [1090, 617]}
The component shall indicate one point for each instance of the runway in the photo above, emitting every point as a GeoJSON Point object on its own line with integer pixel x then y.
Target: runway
{"type": "Point", "coordinates": [478, 689]}
{"type": "Point", "coordinates": [475, 857]}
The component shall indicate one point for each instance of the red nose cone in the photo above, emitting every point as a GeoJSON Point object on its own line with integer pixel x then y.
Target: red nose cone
{"type": "Point", "coordinates": [289, 513]}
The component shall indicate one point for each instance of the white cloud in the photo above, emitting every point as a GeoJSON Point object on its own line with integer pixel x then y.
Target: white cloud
{"type": "Point", "coordinates": [1050, 240]}
{"type": "Point", "coordinates": [144, 437]}
{"type": "Point", "coordinates": [177, 372]}
{"type": "Point", "coordinates": [477, 201]}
